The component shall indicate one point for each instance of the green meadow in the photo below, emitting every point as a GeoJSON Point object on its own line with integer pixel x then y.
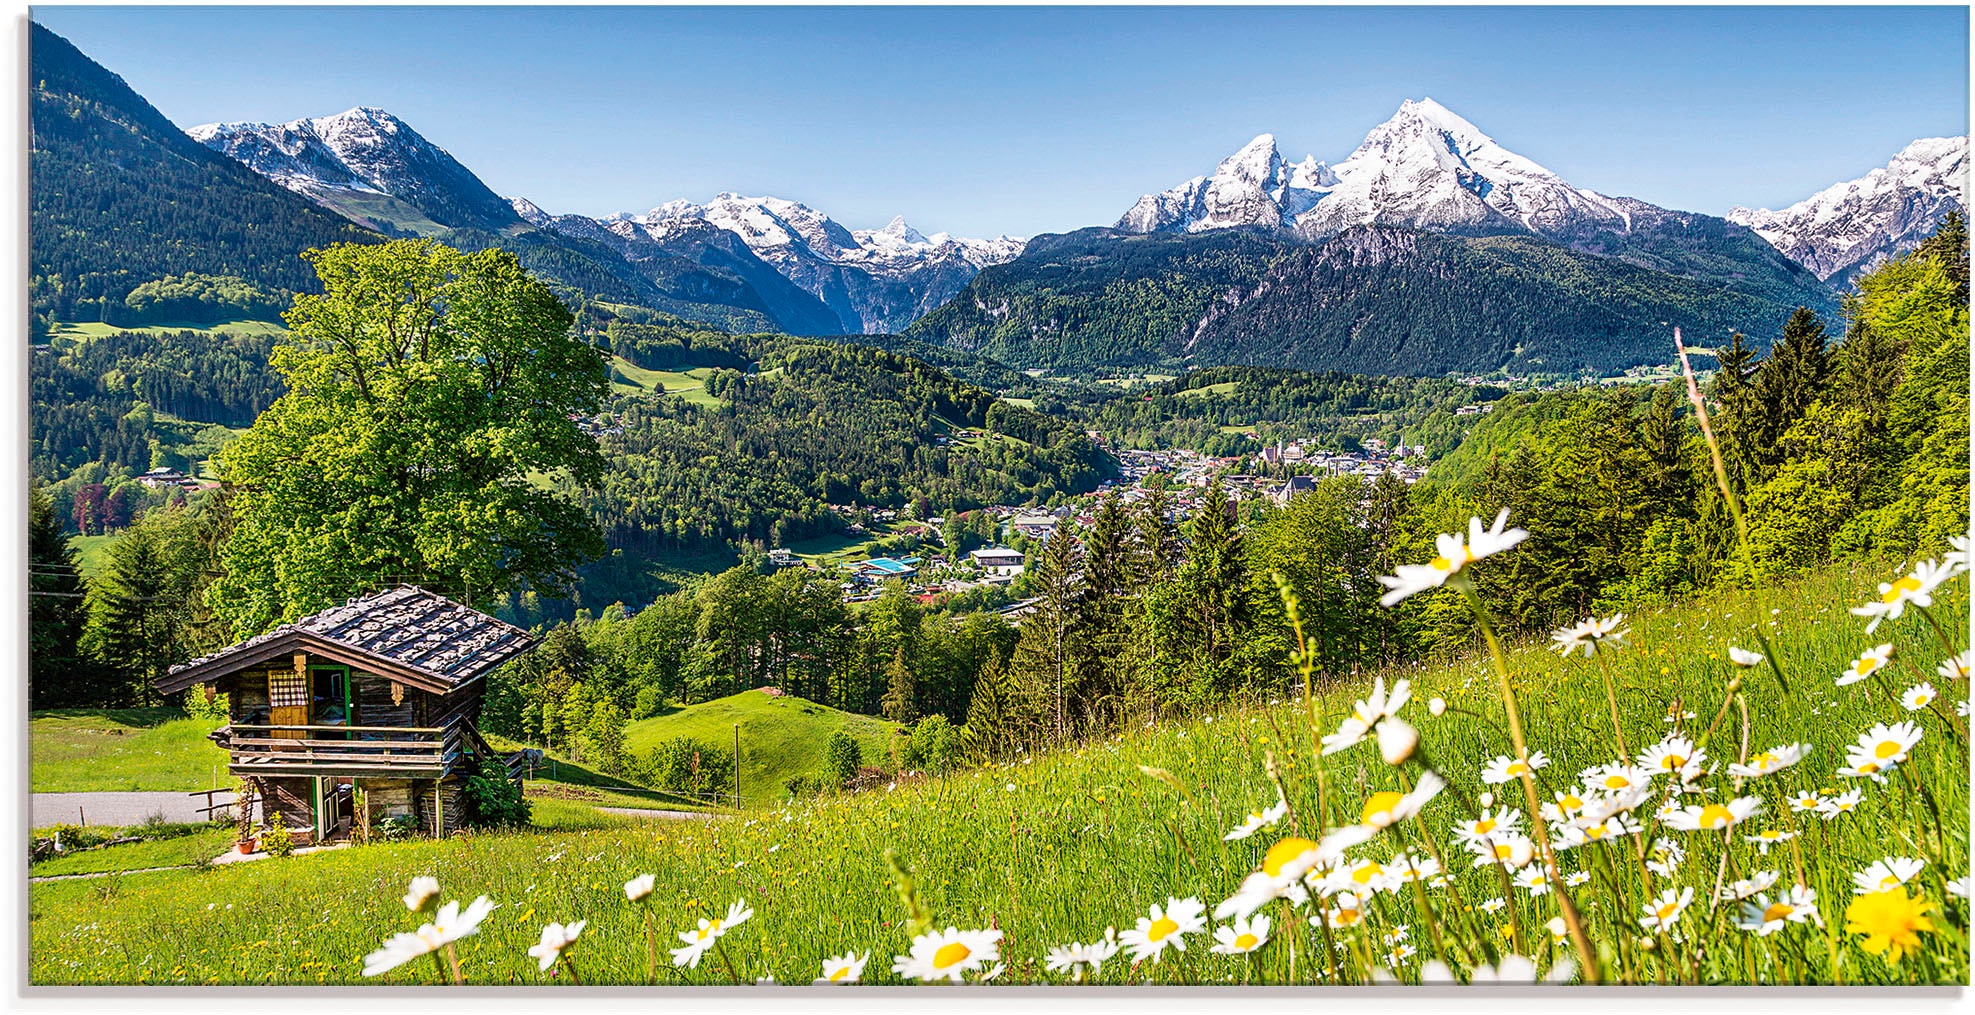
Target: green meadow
{"type": "Point", "coordinates": [1057, 847]}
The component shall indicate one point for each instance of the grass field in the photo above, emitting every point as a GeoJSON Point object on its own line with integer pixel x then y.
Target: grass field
{"type": "Point", "coordinates": [1210, 391]}
{"type": "Point", "coordinates": [1055, 848]}
{"type": "Point", "coordinates": [135, 749]}
{"type": "Point", "coordinates": [629, 378]}
{"type": "Point", "coordinates": [97, 329]}
{"type": "Point", "coordinates": [781, 737]}
{"type": "Point", "coordinates": [90, 552]}
{"type": "Point", "coordinates": [181, 850]}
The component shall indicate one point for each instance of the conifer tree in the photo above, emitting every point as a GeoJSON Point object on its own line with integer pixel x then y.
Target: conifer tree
{"type": "Point", "coordinates": [59, 675]}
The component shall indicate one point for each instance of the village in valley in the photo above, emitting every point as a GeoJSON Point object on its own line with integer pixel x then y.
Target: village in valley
{"type": "Point", "coordinates": [931, 571]}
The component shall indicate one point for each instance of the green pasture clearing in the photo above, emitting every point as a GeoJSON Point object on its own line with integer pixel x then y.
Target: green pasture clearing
{"type": "Point", "coordinates": [781, 737]}
{"type": "Point", "coordinates": [97, 329]}
{"type": "Point", "coordinates": [180, 850]}
{"type": "Point", "coordinates": [134, 749]}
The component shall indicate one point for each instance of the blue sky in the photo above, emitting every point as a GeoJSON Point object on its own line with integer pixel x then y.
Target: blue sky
{"type": "Point", "coordinates": [1025, 120]}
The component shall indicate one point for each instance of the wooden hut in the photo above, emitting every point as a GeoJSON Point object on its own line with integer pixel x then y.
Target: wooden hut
{"type": "Point", "coordinates": [381, 693]}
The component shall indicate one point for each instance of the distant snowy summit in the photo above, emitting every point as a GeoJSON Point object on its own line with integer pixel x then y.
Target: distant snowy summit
{"type": "Point", "coordinates": [338, 159]}
{"type": "Point", "coordinates": [1426, 168]}
{"type": "Point", "coordinates": [1429, 168]}
{"type": "Point", "coordinates": [775, 227]}
{"type": "Point", "coordinates": [1849, 227]}
{"type": "Point", "coordinates": [874, 280]}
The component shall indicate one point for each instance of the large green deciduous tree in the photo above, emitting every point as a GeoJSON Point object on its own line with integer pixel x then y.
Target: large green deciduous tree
{"type": "Point", "coordinates": [433, 397]}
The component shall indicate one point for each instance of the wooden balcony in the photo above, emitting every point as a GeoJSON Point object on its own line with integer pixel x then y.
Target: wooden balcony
{"type": "Point", "coordinates": [375, 751]}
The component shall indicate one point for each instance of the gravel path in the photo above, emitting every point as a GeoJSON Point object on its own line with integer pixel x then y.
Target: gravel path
{"type": "Point", "coordinates": [114, 808]}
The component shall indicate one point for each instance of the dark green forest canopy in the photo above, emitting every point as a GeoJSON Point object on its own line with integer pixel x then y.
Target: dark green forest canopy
{"type": "Point", "coordinates": [119, 196]}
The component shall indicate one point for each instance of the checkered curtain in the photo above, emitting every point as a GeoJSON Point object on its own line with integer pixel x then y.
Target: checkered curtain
{"type": "Point", "coordinates": [287, 688]}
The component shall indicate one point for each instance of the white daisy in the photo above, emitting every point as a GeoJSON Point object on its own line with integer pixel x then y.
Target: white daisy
{"type": "Point", "coordinates": [1886, 875]}
{"type": "Point", "coordinates": [1797, 904]}
{"type": "Point", "coordinates": [1870, 661]}
{"type": "Point", "coordinates": [1844, 803]}
{"type": "Point", "coordinates": [948, 954]}
{"type": "Point", "coordinates": [1918, 696]}
{"type": "Point", "coordinates": [1714, 817]}
{"type": "Point", "coordinates": [1453, 553]}
{"type": "Point", "coordinates": [555, 938]}
{"type": "Point", "coordinates": [1164, 926]}
{"type": "Point", "coordinates": [1955, 667]}
{"type": "Point", "coordinates": [1771, 761]}
{"type": "Point", "coordinates": [845, 968]}
{"type": "Point", "coordinates": [1256, 821]}
{"type": "Point", "coordinates": [448, 925]}
{"type": "Point", "coordinates": [1744, 658]}
{"type": "Point", "coordinates": [1241, 936]}
{"type": "Point", "coordinates": [1754, 884]}
{"type": "Point", "coordinates": [1073, 957]}
{"type": "Point", "coordinates": [1662, 913]}
{"type": "Point", "coordinates": [1505, 769]}
{"type": "Point", "coordinates": [1916, 589]}
{"type": "Point", "coordinates": [1591, 635]}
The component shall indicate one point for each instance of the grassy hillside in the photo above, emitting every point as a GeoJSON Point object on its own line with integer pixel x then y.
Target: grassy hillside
{"type": "Point", "coordinates": [781, 737]}
{"type": "Point", "coordinates": [1058, 847]}
{"type": "Point", "coordinates": [124, 749]}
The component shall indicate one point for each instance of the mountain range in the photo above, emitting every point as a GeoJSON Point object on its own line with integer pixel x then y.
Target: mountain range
{"type": "Point", "coordinates": [1238, 265]}
{"type": "Point", "coordinates": [1850, 227]}
{"type": "Point", "coordinates": [809, 274]}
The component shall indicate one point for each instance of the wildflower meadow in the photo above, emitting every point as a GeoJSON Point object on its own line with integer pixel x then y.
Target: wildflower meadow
{"type": "Point", "coordinates": [1759, 787]}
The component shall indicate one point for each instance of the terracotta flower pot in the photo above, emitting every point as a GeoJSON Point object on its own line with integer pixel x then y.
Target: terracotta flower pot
{"type": "Point", "coordinates": [246, 846]}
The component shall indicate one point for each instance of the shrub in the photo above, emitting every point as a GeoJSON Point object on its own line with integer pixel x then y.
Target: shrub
{"type": "Point", "coordinates": [397, 829]}
{"type": "Point", "coordinates": [493, 800]}
{"type": "Point", "coordinates": [198, 707]}
{"type": "Point", "coordinates": [689, 765]}
{"type": "Point", "coordinates": [841, 758]}
{"type": "Point", "coordinates": [800, 786]}
{"type": "Point", "coordinates": [933, 746]}
{"type": "Point", "coordinates": [277, 840]}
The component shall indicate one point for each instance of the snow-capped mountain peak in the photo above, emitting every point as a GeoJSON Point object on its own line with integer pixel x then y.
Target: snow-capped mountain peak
{"type": "Point", "coordinates": [1426, 167]}
{"type": "Point", "coordinates": [1848, 227]}
{"type": "Point", "coordinates": [363, 149]}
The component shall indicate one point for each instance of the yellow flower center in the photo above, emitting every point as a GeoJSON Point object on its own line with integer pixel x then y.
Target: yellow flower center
{"type": "Point", "coordinates": [1504, 850]}
{"type": "Point", "coordinates": [1246, 941]}
{"type": "Point", "coordinates": [1379, 804]}
{"type": "Point", "coordinates": [1770, 833]}
{"type": "Point", "coordinates": [1280, 854]}
{"type": "Point", "coordinates": [1617, 782]}
{"type": "Point", "coordinates": [1900, 588]}
{"type": "Point", "coordinates": [1516, 768]}
{"type": "Point", "coordinates": [843, 971]}
{"type": "Point", "coordinates": [1715, 816]}
{"type": "Point", "coordinates": [1886, 748]}
{"type": "Point", "coordinates": [1667, 909]}
{"type": "Point", "coordinates": [1778, 911]}
{"type": "Point", "coordinates": [1161, 928]}
{"type": "Point", "coordinates": [1484, 826]}
{"type": "Point", "coordinates": [1866, 664]}
{"type": "Point", "coordinates": [1346, 917]}
{"type": "Point", "coordinates": [1597, 831]}
{"type": "Point", "coordinates": [1443, 564]}
{"type": "Point", "coordinates": [1672, 761]}
{"type": "Point", "coordinates": [1922, 697]}
{"type": "Point", "coordinates": [1889, 882]}
{"type": "Point", "coordinates": [950, 955]}
{"type": "Point", "coordinates": [1764, 759]}
{"type": "Point", "coordinates": [1570, 802]}
{"type": "Point", "coordinates": [1365, 874]}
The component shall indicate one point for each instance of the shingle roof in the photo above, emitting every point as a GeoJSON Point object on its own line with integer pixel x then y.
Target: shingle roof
{"type": "Point", "coordinates": [405, 628]}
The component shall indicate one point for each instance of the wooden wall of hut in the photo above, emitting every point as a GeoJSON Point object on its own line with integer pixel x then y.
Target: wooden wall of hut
{"type": "Point", "coordinates": [374, 705]}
